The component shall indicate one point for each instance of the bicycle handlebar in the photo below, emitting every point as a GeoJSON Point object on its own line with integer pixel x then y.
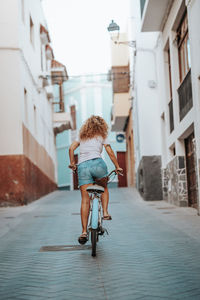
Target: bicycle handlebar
{"type": "Point", "coordinates": [114, 171]}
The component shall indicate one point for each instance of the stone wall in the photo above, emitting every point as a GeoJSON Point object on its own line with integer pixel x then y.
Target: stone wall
{"type": "Point", "coordinates": [150, 178]}
{"type": "Point", "coordinates": [174, 180]}
{"type": "Point", "coordinates": [196, 168]}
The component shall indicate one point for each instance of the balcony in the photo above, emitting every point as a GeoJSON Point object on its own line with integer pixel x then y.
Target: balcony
{"type": "Point", "coordinates": [58, 72]}
{"type": "Point", "coordinates": [185, 96]}
{"type": "Point", "coordinates": [120, 79]}
{"type": "Point", "coordinates": [120, 111]}
{"type": "Point", "coordinates": [154, 14]}
{"type": "Point", "coordinates": [62, 121]}
{"type": "Point", "coordinates": [44, 35]}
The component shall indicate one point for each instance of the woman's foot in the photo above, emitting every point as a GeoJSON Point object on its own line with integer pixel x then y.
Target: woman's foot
{"type": "Point", "coordinates": [107, 217]}
{"type": "Point", "coordinates": [83, 238]}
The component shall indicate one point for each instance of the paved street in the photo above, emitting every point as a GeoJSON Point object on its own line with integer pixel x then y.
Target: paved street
{"type": "Point", "coordinates": [152, 251]}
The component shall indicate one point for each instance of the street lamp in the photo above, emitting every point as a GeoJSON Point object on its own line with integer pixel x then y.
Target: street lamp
{"type": "Point", "coordinates": [114, 29]}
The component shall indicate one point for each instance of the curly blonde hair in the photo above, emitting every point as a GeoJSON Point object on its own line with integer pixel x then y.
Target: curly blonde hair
{"type": "Point", "coordinates": [93, 127]}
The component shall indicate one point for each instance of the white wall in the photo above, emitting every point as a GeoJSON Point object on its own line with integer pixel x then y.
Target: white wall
{"type": "Point", "coordinates": [181, 128]}
{"type": "Point", "coordinates": [146, 102]}
{"type": "Point", "coordinates": [120, 53]}
{"type": "Point", "coordinates": [10, 112]}
{"type": "Point", "coordinates": [9, 30]}
{"type": "Point", "coordinates": [20, 62]}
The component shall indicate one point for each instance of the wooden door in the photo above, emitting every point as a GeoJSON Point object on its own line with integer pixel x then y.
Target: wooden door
{"type": "Point", "coordinates": [75, 175]}
{"type": "Point", "coordinates": [122, 180]}
{"type": "Point", "coordinates": [191, 174]}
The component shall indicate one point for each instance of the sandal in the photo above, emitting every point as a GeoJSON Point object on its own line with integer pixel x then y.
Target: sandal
{"type": "Point", "coordinates": [108, 217]}
{"type": "Point", "coordinates": [83, 238]}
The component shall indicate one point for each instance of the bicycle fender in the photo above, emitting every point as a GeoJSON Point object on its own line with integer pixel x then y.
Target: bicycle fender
{"type": "Point", "coordinates": [95, 213]}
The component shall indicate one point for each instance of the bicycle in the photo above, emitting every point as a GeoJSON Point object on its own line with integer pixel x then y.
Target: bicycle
{"type": "Point", "coordinates": [95, 217]}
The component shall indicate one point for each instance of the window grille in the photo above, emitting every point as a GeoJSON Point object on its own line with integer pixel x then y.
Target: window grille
{"type": "Point", "coordinates": [185, 96]}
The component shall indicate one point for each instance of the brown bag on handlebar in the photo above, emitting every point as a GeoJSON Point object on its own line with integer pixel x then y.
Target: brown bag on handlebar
{"type": "Point", "coordinates": [102, 181]}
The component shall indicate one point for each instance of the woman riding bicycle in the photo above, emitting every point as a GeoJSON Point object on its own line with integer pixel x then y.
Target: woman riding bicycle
{"type": "Point", "coordinates": [92, 137]}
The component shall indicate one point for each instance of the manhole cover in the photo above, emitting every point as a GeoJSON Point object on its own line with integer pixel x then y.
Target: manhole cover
{"type": "Point", "coordinates": [75, 214]}
{"type": "Point", "coordinates": [171, 207]}
{"type": "Point", "coordinates": [9, 217]}
{"type": "Point", "coordinates": [167, 212]}
{"type": "Point", "coordinates": [64, 248]}
{"type": "Point", "coordinates": [49, 216]}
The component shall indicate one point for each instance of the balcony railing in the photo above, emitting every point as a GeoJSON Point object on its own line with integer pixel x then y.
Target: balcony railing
{"type": "Point", "coordinates": [185, 96]}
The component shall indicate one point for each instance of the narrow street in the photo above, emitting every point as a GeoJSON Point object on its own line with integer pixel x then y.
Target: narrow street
{"type": "Point", "coordinates": [151, 252]}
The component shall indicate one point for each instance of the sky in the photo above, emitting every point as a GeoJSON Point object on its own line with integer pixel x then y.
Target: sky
{"type": "Point", "coordinates": [78, 32]}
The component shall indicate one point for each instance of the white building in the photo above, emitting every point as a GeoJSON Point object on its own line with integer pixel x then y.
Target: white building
{"type": "Point", "coordinates": [178, 66]}
{"type": "Point", "coordinates": [27, 147]}
{"type": "Point", "coordinates": [146, 119]}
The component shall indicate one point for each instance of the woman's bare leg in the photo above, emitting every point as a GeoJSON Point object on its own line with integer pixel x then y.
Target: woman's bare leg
{"type": "Point", "coordinates": [105, 200]}
{"type": "Point", "coordinates": [85, 207]}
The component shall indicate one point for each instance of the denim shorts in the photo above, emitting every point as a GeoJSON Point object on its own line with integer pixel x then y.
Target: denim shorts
{"type": "Point", "coordinates": [91, 169]}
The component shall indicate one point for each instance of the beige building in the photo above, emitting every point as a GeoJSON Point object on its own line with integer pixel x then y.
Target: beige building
{"type": "Point", "coordinates": [121, 117]}
{"type": "Point", "coordinates": [178, 66]}
{"type": "Point", "coordinates": [27, 148]}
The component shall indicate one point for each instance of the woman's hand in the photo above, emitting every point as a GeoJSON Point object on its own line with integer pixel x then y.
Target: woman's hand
{"type": "Point", "coordinates": [73, 167]}
{"type": "Point", "coordinates": [119, 171]}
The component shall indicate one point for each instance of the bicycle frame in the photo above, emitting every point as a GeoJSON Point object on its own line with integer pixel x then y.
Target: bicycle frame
{"type": "Point", "coordinates": [95, 216]}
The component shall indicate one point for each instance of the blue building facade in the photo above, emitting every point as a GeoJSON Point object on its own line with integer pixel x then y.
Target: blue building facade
{"type": "Point", "coordinates": [88, 95]}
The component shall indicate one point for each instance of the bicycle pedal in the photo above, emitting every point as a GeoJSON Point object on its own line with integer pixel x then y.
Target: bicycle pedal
{"type": "Point", "coordinates": [103, 231]}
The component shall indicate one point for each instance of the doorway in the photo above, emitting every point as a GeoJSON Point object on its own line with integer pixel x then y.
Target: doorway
{"type": "Point", "coordinates": [191, 174]}
{"type": "Point", "coordinates": [122, 180]}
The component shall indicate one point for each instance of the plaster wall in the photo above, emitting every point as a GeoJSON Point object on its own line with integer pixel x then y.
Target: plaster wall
{"type": "Point", "coordinates": [120, 52]}
{"type": "Point", "coordinates": [26, 115]}
{"type": "Point", "coordinates": [10, 113]}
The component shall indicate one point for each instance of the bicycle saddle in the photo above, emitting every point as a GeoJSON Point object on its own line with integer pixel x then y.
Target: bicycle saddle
{"type": "Point", "coordinates": [95, 188]}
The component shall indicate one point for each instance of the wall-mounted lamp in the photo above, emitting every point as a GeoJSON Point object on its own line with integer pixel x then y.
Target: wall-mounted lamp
{"type": "Point", "coordinates": [114, 29]}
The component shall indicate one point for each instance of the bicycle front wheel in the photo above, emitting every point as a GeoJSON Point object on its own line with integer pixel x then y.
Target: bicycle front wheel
{"type": "Point", "coordinates": [94, 236]}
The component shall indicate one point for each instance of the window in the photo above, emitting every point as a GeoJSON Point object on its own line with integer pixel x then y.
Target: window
{"type": "Point", "coordinates": [185, 88]}
{"type": "Point", "coordinates": [171, 116]}
{"type": "Point", "coordinates": [170, 105]}
{"type": "Point", "coordinates": [31, 31]}
{"type": "Point", "coordinates": [170, 75]}
{"type": "Point", "coordinates": [172, 150]}
{"type": "Point", "coordinates": [183, 48]}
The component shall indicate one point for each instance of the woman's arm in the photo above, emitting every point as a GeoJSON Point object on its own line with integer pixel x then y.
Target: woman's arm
{"type": "Point", "coordinates": [72, 148]}
{"type": "Point", "coordinates": [113, 158]}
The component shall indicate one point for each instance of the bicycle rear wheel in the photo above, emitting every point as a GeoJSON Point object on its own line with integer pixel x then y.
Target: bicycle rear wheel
{"type": "Point", "coordinates": [94, 236]}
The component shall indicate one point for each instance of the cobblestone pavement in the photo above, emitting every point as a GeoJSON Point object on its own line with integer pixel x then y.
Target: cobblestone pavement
{"type": "Point", "coordinates": [152, 251]}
